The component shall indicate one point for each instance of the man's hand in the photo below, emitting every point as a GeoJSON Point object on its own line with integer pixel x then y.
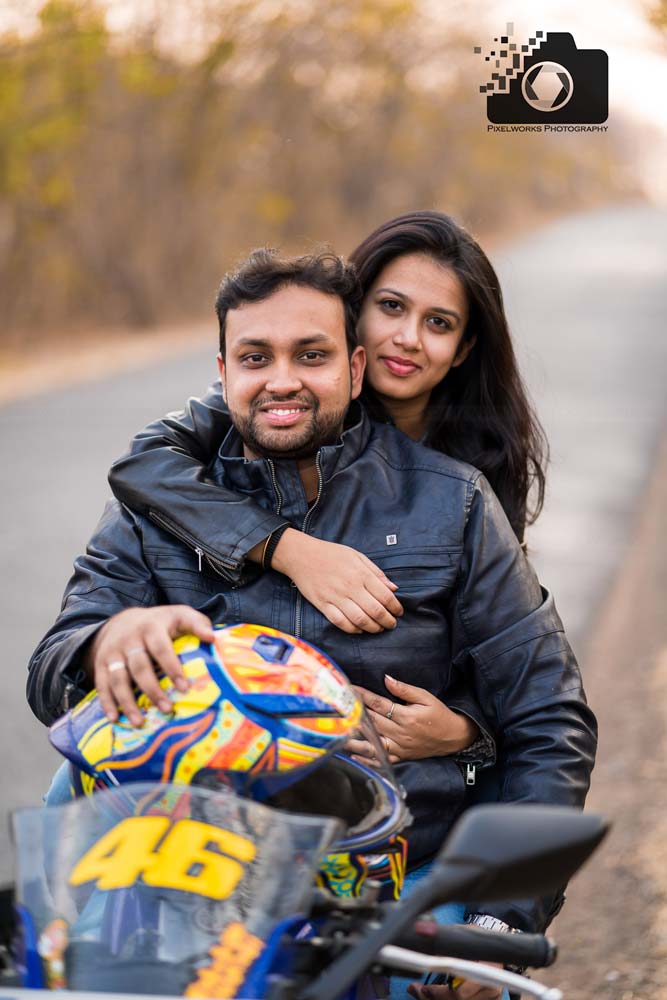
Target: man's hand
{"type": "Point", "coordinates": [345, 585]}
{"type": "Point", "coordinates": [423, 727]}
{"type": "Point", "coordinates": [131, 647]}
{"type": "Point", "coordinates": [466, 990]}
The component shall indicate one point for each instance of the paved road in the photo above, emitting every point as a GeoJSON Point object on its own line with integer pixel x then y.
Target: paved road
{"type": "Point", "coordinates": [587, 300]}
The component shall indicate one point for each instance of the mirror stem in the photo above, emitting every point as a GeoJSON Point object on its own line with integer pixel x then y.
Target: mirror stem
{"type": "Point", "coordinates": [450, 884]}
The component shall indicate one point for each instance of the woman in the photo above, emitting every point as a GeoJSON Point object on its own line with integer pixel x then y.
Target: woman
{"type": "Point", "coordinates": [441, 367]}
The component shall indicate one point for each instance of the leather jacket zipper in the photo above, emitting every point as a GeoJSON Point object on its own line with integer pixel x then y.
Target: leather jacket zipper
{"type": "Point", "coordinates": [218, 565]}
{"type": "Point", "coordinates": [298, 610]}
{"type": "Point", "coordinates": [276, 488]}
{"type": "Point", "coordinates": [479, 755]}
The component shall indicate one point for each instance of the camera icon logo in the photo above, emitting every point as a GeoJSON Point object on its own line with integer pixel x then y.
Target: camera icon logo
{"type": "Point", "coordinates": [547, 86]}
{"type": "Point", "coordinates": [547, 80]}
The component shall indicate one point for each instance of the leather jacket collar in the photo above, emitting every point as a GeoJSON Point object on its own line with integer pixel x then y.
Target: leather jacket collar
{"type": "Point", "coordinates": [237, 472]}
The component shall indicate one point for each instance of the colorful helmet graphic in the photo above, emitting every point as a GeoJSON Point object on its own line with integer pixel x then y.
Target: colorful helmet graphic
{"type": "Point", "coordinates": [265, 713]}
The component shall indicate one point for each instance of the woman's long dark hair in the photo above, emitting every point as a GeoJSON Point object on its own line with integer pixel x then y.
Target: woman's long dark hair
{"type": "Point", "coordinates": [479, 412]}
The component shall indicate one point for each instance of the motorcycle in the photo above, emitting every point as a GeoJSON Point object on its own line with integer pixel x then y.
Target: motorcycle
{"type": "Point", "coordinates": [179, 886]}
{"type": "Point", "coordinates": [191, 892]}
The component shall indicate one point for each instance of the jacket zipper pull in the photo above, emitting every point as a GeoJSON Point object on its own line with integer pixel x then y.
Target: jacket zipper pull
{"type": "Point", "coordinates": [471, 774]}
{"type": "Point", "coordinates": [200, 556]}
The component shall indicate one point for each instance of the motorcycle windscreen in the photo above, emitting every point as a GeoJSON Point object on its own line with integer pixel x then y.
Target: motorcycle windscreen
{"type": "Point", "coordinates": [160, 889]}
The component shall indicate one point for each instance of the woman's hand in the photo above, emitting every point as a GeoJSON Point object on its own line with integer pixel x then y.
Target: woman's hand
{"type": "Point", "coordinates": [423, 727]}
{"type": "Point", "coordinates": [349, 589]}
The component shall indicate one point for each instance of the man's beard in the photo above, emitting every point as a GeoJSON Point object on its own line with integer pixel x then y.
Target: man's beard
{"type": "Point", "coordinates": [321, 429]}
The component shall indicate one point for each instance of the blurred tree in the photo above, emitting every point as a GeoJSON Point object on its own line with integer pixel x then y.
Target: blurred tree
{"type": "Point", "coordinates": [47, 88]}
{"type": "Point", "coordinates": [136, 164]}
{"type": "Point", "coordinates": [657, 14]}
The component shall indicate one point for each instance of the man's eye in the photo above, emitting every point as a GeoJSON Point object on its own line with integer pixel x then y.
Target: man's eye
{"type": "Point", "coordinates": [313, 356]}
{"type": "Point", "coordinates": [253, 359]}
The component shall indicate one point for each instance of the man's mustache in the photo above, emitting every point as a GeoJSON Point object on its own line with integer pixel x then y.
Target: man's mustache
{"type": "Point", "coordinates": [267, 401]}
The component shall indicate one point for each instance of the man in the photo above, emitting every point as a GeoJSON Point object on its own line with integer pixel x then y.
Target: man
{"type": "Point", "coordinates": [473, 612]}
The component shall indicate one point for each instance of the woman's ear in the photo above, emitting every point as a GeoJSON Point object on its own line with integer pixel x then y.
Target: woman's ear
{"type": "Point", "coordinates": [465, 347]}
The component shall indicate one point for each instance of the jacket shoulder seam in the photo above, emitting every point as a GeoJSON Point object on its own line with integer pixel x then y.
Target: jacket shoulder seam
{"type": "Point", "coordinates": [424, 467]}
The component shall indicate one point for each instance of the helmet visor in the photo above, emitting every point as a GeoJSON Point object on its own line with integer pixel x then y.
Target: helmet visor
{"type": "Point", "coordinates": [366, 797]}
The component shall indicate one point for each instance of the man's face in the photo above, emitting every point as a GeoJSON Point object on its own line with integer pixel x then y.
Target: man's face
{"type": "Point", "coordinates": [286, 375]}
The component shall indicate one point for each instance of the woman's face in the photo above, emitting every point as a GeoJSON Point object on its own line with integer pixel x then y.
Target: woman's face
{"type": "Point", "coordinates": [412, 323]}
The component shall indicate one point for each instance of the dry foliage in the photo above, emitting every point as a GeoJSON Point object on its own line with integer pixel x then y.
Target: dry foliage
{"type": "Point", "coordinates": [136, 166]}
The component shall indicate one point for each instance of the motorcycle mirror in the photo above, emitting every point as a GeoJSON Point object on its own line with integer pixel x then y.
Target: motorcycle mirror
{"type": "Point", "coordinates": [517, 850]}
{"type": "Point", "coordinates": [493, 852]}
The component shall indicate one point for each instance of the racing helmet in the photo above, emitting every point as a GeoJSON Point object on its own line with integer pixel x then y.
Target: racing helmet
{"type": "Point", "coordinates": [268, 715]}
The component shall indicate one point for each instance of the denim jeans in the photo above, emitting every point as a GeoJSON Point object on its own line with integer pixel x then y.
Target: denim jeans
{"type": "Point", "coordinates": [448, 913]}
{"type": "Point", "coordinates": [59, 791]}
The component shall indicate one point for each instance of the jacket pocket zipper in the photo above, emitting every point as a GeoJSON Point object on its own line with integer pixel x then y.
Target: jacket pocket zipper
{"type": "Point", "coordinates": [219, 566]}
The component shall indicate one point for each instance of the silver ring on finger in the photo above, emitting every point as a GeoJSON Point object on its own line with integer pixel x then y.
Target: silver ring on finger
{"type": "Point", "coordinates": [116, 665]}
{"type": "Point", "coordinates": [391, 710]}
{"type": "Point", "coordinates": [136, 649]}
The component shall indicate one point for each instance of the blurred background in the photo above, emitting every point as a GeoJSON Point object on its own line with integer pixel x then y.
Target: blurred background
{"type": "Point", "coordinates": [146, 145]}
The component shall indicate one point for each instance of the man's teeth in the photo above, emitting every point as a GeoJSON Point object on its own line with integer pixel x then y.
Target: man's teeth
{"type": "Point", "coordinates": [282, 412]}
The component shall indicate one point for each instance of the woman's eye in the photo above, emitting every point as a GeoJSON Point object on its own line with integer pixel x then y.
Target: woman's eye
{"type": "Point", "coordinates": [441, 323]}
{"type": "Point", "coordinates": [391, 305]}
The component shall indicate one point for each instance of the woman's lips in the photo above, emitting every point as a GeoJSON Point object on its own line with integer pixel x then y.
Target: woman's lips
{"type": "Point", "coordinates": [400, 366]}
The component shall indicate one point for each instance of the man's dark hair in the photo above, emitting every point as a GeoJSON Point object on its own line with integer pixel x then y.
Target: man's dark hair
{"type": "Point", "coordinates": [265, 272]}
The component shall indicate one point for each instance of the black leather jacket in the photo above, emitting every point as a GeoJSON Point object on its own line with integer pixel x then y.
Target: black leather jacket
{"type": "Point", "coordinates": [475, 615]}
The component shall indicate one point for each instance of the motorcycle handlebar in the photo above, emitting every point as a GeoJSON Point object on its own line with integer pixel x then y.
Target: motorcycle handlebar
{"type": "Point", "coordinates": [478, 945]}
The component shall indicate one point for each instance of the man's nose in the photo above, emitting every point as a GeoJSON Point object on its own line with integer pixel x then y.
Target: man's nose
{"type": "Point", "coordinates": [283, 380]}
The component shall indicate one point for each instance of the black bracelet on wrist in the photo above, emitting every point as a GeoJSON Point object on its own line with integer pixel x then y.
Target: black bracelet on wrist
{"type": "Point", "coordinates": [272, 544]}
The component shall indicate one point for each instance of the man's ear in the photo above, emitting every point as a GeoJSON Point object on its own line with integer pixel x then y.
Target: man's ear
{"type": "Point", "coordinates": [221, 370]}
{"type": "Point", "coordinates": [357, 369]}
{"type": "Point", "coordinates": [465, 347]}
